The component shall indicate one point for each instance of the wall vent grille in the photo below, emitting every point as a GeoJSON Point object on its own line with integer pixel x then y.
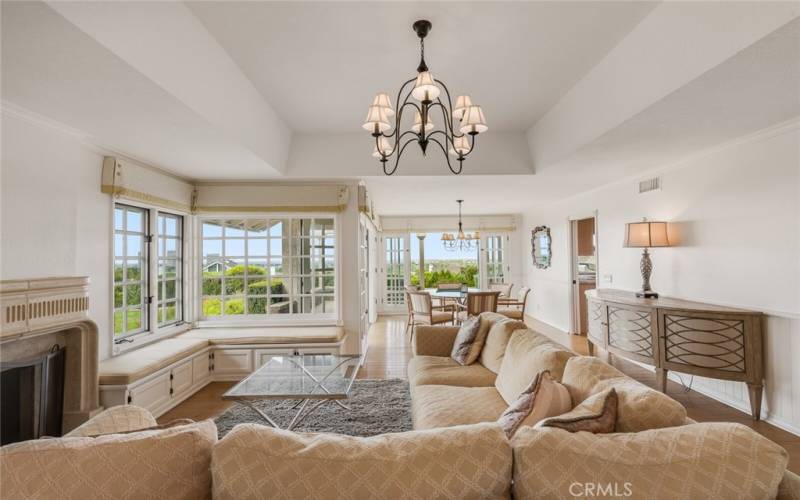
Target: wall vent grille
{"type": "Point", "coordinates": [648, 185]}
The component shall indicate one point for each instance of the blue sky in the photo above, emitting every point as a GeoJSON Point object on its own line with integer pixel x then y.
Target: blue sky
{"type": "Point", "coordinates": [435, 251]}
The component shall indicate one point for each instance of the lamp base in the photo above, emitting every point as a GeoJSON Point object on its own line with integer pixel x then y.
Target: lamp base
{"type": "Point", "coordinates": [647, 295]}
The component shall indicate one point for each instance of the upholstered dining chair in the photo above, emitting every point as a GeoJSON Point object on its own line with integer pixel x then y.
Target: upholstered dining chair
{"type": "Point", "coordinates": [478, 302]}
{"type": "Point", "coordinates": [423, 312]}
{"type": "Point", "coordinates": [515, 309]}
{"type": "Point", "coordinates": [503, 288]}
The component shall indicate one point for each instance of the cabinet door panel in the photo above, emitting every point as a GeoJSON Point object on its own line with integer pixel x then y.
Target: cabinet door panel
{"type": "Point", "coordinates": [233, 361]}
{"type": "Point", "coordinates": [264, 355]}
{"type": "Point", "coordinates": [597, 322]}
{"type": "Point", "coordinates": [152, 394]}
{"type": "Point", "coordinates": [181, 378]}
{"type": "Point", "coordinates": [200, 367]}
{"type": "Point", "coordinates": [631, 330]}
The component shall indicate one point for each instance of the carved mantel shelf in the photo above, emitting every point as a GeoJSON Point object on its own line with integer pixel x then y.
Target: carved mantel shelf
{"type": "Point", "coordinates": [681, 335]}
{"type": "Point", "coordinates": [35, 313]}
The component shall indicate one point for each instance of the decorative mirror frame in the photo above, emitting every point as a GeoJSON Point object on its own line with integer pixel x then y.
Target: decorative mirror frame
{"type": "Point", "coordinates": [541, 264]}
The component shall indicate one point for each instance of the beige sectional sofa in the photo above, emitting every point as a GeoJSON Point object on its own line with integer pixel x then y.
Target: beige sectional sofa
{"type": "Point", "coordinates": [457, 450]}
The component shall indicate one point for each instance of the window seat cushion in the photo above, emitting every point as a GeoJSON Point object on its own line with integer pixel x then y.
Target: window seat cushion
{"type": "Point", "coordinates": [267, 335]}
{"type": "Point", "coordinates": [135, 365]}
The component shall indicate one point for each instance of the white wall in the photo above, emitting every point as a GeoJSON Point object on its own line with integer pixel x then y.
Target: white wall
{"type": "Point", "coordinates": [54, 221]}
{"type": "Point", "coordinates": [736, 221]}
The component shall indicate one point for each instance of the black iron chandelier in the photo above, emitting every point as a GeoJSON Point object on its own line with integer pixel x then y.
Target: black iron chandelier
{"type": "Point", "coordinates": [460, 241]}
{"type": "Point", "coordinates": [461, 123]}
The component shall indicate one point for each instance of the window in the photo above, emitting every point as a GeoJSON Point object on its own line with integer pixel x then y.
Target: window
{"type": "Point", "coordinates": [170, 261]}
{"type": "Point", "coordinates": [495, 260]}
{"type": "Point", "coordinates": [130, 270]}
{"type": "Point", "coordinates": [268, 267]}
{"type": "Point", "coordinates": [395, 270]}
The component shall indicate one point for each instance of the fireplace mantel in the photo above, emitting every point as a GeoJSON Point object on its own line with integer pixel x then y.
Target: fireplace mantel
{"type": "Point", "coordinates": [34, 313]}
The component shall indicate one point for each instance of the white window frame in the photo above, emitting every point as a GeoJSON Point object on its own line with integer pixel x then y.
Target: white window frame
{"type": "Point", "coordinates": [154, 332]}
{"type": "Point", "coordinates": [334, 318]}
{"type": "Point", "coordinates": [162, 302]}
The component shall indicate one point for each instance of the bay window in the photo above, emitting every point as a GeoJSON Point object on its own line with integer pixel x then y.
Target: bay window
{"type": "Point", "coordinates": [170, 263]}
{"type": "Point", "coordinates": [268, 267]}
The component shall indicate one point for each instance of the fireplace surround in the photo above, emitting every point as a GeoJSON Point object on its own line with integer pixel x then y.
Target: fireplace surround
{"type": "Point", "coordinates": [35, 315]}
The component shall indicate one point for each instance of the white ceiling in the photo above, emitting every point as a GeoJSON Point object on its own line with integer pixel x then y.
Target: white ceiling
{"type": "Point", "coordinates": [577, 94]}
{"type": "Point", "coordinates": [320, 63]}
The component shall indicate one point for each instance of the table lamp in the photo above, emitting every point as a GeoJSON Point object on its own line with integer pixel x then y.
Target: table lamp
{"type": "Point", "coordinates": [646, 234]}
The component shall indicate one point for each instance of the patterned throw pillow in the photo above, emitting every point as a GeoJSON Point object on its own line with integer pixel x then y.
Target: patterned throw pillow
{"type": "Point", "coordinates": [465, 348]}
{"type": "Point", "coordinates": [597, 414]}
{"type": "Point", "coordinates": [544, 397]}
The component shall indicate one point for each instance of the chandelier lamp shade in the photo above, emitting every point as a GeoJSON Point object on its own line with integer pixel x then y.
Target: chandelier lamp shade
{"type": "Point", "coordinates": [425, 96]}
{"type": "Point", "coordinates": [460, 241]}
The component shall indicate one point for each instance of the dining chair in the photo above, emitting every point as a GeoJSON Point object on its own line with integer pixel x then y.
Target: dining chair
{"type": "Point", "coordinates": [478, 302]}
{"type": "Point", "coordinates": [515, 309]}
{"type": "Point", "coordinates": [503, 288]}
{"type": "Point", "coordinates": [423, 312]}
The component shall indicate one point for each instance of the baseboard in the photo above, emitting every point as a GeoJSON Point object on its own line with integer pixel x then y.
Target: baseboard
{"type": "Point", "coordinates": [544, 327]}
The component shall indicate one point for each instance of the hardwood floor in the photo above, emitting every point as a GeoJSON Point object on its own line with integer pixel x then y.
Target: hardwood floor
{"type": "Point", "coordinates": [390, 350]}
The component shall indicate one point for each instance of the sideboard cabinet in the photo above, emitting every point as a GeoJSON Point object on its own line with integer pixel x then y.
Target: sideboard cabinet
{"type": "Point", "coordinates": [680, 335]}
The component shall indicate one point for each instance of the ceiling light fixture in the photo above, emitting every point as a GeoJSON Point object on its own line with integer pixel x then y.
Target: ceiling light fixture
{"type": "Point", "coordinates": [461, 242]}
{"type": "Point", "coordinates": [460, 123]}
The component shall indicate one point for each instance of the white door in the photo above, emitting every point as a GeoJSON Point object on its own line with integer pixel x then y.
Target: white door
{"type": "Point", "coordinates": [396, 270]}
{"type": "Point", "coordinates": [495, 266]}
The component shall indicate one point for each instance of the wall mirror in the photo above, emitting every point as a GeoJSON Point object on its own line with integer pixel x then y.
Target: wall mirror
{"type": "Point", "coordinates": [540, 247]}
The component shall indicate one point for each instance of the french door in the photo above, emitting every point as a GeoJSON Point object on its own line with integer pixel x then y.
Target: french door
{"type": "Point", "coordinates": [396, 271]}
{"type": "Point", "coordinates": [494, 262]}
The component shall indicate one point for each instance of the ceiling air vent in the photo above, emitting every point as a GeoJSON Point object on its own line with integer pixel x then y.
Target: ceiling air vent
{"type": "Point", "coordinates": [648, 185]}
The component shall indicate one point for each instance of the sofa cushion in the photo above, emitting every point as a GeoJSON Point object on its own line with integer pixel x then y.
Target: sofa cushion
{"type": "Point", "coordinates": [639, 407]}
{"type": "Point", "coordinates": [544, 397]}
{"type": "Point", "coordinates": [435, 370]}
{"type": "Point", "coordinates": [161, 464]}
{"type": "Point", "coordinates": [528, 354]}
{"type": "Point", "coordinates": [469, 462]}
{"type": "Point", "coordinates": [581, 374]}
{"type": "Point", "coordinates": [445, 406]}
{"type": "Point", "coordinates": [709, 461]}
{"type": "Point", "coordinates": [122, 418]}
{"type": "Point", "coordinates": [135, 365]}
{"type": "Point", "coordinates": [497, 339]}
{"type": "Point", "coordinates": [267, 335]}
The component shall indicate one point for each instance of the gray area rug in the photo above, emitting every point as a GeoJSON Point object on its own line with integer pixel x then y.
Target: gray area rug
{"type": "Point", "coordinates": [376, 407]}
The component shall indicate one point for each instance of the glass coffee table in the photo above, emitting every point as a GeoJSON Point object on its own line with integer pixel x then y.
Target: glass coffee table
{"type": "Point", "coordinates": [312, 379]}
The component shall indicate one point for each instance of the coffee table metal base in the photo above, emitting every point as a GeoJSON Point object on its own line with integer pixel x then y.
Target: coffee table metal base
{"type": "Point", "coordinates": [304, 411]}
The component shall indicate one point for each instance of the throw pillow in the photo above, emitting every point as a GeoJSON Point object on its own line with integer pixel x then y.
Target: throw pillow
{"type": "Point", "coordinates": [464, 351]}
{"type": "Point", "coordinates": [598, 415]}
{"type": "Point", "coordinates": [544, 397]}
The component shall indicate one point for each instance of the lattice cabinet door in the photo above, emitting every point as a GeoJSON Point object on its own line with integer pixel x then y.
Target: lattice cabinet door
{"type": "Point", "coordinates": [632, 332]}
{"type": "Point", "coordinates": [725, 345]}
{"type": "Point", "coordinates": [597, 322]}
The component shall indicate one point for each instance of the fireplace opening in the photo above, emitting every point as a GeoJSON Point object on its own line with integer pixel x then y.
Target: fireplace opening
{"type": "Point", "coordinates": [32, 397]}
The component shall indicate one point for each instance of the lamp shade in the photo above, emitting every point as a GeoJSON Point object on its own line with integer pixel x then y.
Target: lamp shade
{"type": "Point", "coordinates": [646, 234]}
{"type": "Point", "coordinates": [462, 103]}
{"type": "Point", "coordinates": [418, 123]}
{"type": "Point", "coordinates": [384, 146]}
{"type": "Point", "coordinates": [473, 121]}
{"type": "Point", "coordinates": [425, 88]}
{"type": "Point", "coordinates": [376, 120]}
{"type": "Point", "coordinates": [384, 102]}
{"type": "Point", "coordinates": [460, 146]}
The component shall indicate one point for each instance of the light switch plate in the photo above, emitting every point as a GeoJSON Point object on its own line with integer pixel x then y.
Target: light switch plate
{"type": "Point", "coordinates": [608, 278]}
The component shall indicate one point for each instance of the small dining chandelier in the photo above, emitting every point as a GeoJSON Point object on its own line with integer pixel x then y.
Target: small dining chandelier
{"type": "Point", "coordinates": [460, 123]}
{"type": "Point", "coordinates": [461, 242]}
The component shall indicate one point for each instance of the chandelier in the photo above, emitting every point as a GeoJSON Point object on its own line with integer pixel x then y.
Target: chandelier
{"type": "Point", "coordinates": [460, 241]}
{"type": "Point", "coordinates": [460, 123]}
